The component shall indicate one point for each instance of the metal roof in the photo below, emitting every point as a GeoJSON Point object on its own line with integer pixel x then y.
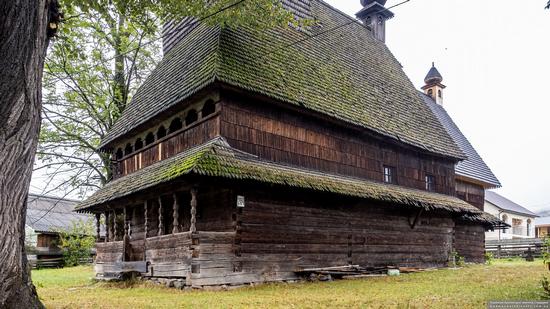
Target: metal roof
{"type": "Point", "coordinates": [48, 213]}
{"type": "Point", "coordinates": [473, 167]}
{"type": "Point", "coordinates": [505, 204]}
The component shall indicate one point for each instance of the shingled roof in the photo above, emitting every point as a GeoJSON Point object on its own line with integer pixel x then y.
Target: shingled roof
{"type": "Point", "coordinates": [49, 214]}
{"type": "Point", "coordinates": [217, 159]}
{"type": "Point", "coordinates": [344, 73]}
{"type": "Point", "coordinates": [473, 167]}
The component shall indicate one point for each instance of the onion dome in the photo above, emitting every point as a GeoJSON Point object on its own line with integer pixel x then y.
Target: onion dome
{"type": "Point", "coordinates": [367, 2]}
{"type": "Point", "coordinates": [433, 76]}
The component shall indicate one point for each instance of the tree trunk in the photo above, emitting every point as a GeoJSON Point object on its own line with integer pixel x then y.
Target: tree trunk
{"type": "Point", "coordinates": [24, 32]}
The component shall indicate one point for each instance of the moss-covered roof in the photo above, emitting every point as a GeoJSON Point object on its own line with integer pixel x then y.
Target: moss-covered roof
{"type": "Point", "coordinates": [217, 159]}
{"type": "Point", "coordinates": [344, 73]}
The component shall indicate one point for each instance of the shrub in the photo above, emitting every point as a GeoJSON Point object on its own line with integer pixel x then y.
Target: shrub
{"type": "Point", "coordinates": [546, 260]}
{"type": "Point", "coordinates": [489, 258]}
{"type": "Point", "coordinates": [77, 242]}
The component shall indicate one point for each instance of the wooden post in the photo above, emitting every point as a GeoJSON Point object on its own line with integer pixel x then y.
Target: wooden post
{"type": "Point", "coordinates": [193, 227]}
{"type": "Point", "coordinates": [146, 224]}
{"type": "Point", "coordinates": [175, 209]}
{"type": "Point", "coordinates": [126, 222]}
{"type": "Point", "coordinates": [107, 227]}
{"type": "Point", "coordinates": [97, 226]}
{"type": "Point", "coordinates": [114, 225]}
{"type": "Point", "coordinates": [161, 224]}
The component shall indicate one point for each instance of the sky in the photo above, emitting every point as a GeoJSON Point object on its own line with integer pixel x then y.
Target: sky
{"type": "Point", "coordinates": [494, 57]}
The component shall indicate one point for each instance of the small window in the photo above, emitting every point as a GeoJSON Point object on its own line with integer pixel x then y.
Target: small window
{"type": "Point", "coordinates": [208, 108]}
{"type": "Point", "coordinates": [161, 132]}
{"type": "Point", "coordinates": [139, 144]}
{"type": "Point", "coordinates": [149, 139]}
{"type": "Point", "coordinates": [175, 125]}
{"type": "Point", "coordinates": [430, 183]}
{"type": "Point", "coordinates": [528, 227]}
{"type": "Point", "coordinates": [439, 93]}
{"type": "Point", "coordinates": [389, 174]}
{"type": "Point", "coordinates": [128, 150]}
{"type": "Point", "coordinates": [191, 117]}
{"type": "Point", "coordinates": [430, 92]}
{"type": "Point", "coordinates": [119, 154]}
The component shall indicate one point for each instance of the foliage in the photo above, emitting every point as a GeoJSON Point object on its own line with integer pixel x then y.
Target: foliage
{"type": "Point", "coordinates": [546, 260]}
{"type": "Point", "coordinates": [77, 242]}
{"type": "Point", "coordinates": [468, 287]}
{"type": "Point", "coordinates": [489, 258]}
{"type": "Point", "coordinates": [456, 260]}
{"type": "Point", "coordinates": [103, 52]}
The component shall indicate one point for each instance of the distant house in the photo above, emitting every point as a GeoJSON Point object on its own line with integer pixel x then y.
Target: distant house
{"type": "Point", "coordinates": [542, 227]}
{"type": "Point", "coordinates": [45, 216]}
{"type": "Point", "coordinates": [521, 219]}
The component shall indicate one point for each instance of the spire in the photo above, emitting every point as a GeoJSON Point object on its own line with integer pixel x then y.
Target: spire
{"type": "Point", "coordinates": [433, 76]}
{"type": "Point", "coordinates": [374, 16]}
{"type": "Point", "coordinates": [433, 86]}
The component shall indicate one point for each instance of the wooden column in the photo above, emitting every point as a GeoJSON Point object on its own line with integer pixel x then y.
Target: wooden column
{"type": "Point", "coordinates": [114, 225]}
{"type": "Point", "coordinates": [126, 222]}
{"type": "Point", "coordinates": [161, 223]}
{"type": "Point", "coordinates": [175, 209]}
{"type": "Point", "coordinates": [193, 227]}
{"type": "Point", "coordinates": [146, 215]}
{"type": "Point", "coordinates": [107, 227]}
{"type": "Point", "coordinates": [97, 226]}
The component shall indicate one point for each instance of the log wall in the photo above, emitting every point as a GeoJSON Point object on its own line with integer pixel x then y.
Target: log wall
{"type": "Point", "coordinates": [109, 252]}
{"type": "Point", "coordinates": [280, 135]}
{"type": "Point", "coordinates": [469, 242]}
{"type": "Point", "coordinates": [471, 193]}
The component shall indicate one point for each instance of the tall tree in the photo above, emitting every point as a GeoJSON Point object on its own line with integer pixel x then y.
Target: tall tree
{"type": "Point", "coordinates": [104, 51]}
{"type": "Point", "coordinates": [25, 29]}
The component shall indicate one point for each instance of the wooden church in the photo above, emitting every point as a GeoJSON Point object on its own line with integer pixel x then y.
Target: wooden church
{"type": "Point", "coordinates": [247, 157]}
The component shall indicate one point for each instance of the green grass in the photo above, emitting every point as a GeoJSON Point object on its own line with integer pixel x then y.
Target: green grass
{"type": "Point", "coordinates": [469, 287]}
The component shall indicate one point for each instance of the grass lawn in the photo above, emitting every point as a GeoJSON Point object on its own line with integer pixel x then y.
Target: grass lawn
{"type": "Point", "coordinates": [469, 287]}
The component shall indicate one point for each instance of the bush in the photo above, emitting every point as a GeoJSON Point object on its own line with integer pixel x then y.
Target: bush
{"type": "Point", "coordinates": [77, 242]}
{"type": "Point", "coordinates": [489, 258]}
{"type": "Point", "coordinates": [456, 260]}
{"type": "Point", "coordinates": [546, 260]}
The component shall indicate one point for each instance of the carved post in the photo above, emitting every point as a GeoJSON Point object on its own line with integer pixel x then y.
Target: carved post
{"type": "Point", "coordinates": [146, 224]}
{"type": "Point", "coordinates": [161, 224]}
{"type": "Point", "coordinates": [193, 227]}
{"type": "Point", "coordinates": [175, 209]}
{"type": "Point", "coordinates": [114, 225]}
{"type": "Point", "coordinates": [107, 227]}
{"type": "Point", "coordinates": [97, 226]}
{"type": "Point", "coordinates": [126, 223]}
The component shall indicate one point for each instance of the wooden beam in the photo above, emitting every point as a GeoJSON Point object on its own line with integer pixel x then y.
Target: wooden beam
{"type": "Point", "coordinates": [175, 209]}
{"type": "Point", "coordinates": [413, 223]}
{"type": "Point", "coordinates": [114, 226]}
{"type": "Point", "coordinates": [193, 227]}
{"type": "Point", "coordinates": [161, 218]}
{"type": "Point", "coordinates": [107, 227]}
{"type": "Point", "coordinates": [97, 226]}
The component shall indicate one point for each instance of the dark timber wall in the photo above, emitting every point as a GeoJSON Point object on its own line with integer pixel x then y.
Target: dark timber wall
{"type": "Point", "coordinates": [280, 135]}
{"type": "Point", "coordinates": [469, 242]}
{"type": "Point", "coordinates": [471, 193]}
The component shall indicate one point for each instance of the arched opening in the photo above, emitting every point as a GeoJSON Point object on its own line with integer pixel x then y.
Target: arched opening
{"type": "Point", "coordinates": [528, 227]}
{"type": "Point", "coordinates": [191, 117]}
{"type": "Point", "coordinates": [430, 92]}
{"type": "Point", "coordinates": [439, 93]}
{"type": "Point", "coordinates": [139, 144]}
{"type": "Point", "coordinates": [119, 154]}
{"type": "Point", "coordinates": [161, 132]}
{"type": "Point", "coordinates": [504, 219]}
{"type": "Point", "coordinates": [149, 139]}
{"type": "Point", "coordinates": [208, 108]}
{"type": "Point", "coordinates": [128, 150]}
{"type": "Point", "coordinates": [175, 125]}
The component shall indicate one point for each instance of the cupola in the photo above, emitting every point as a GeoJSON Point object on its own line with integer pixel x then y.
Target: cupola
{"type": "Point", "coordinates": [433, 86]}
{"type": "Point", "coordinates": [374, 16]}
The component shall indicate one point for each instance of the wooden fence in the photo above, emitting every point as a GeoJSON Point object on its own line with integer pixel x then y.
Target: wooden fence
{"type": "Point", "coordinates": [515, 247]}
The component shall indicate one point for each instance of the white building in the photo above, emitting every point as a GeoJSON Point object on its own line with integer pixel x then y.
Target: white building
{"type": "Point", "coordinates": [521, 219]}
